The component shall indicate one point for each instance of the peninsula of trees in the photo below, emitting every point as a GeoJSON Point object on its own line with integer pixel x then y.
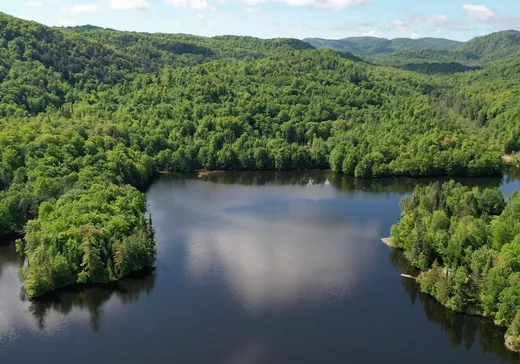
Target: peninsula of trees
{"type": "Point", "coordinates": [467, 244]}
{"type": "Point", "coordinates": [89, 115]}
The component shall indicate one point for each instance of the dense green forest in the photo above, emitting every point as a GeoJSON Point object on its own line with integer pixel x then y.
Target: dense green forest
{"type": "Point", "coordinates": [467, 243]}
{"type": "Point", "coordinates": [430, 55]}
{"type": "Point", "coordinates": [88, 116]}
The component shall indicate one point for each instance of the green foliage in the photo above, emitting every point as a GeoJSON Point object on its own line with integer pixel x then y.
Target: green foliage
{"type": "Point", "coordinates": [93, 235]}
{"type": "Point", "coordinates": [86, 112]}
{"type": "Point", "coordinates": [156, 50]}
{"type": "Point", "coordinates": [481, 52]}
{"type": "Point", "coordinates": [513, 332]}
{"type": "Point", "coordinates": [467, 242]}
{"type": "Point", "coordinates": [489, 45]}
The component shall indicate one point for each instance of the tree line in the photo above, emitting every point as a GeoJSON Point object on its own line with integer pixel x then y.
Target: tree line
{"type": "Point", "coordinates": [88, 116]}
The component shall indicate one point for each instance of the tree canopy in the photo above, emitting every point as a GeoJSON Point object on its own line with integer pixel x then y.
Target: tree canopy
{"type": "Point", "coordinates": [89, 115]}
{"type": "Point", "coordinates": [466, 241]}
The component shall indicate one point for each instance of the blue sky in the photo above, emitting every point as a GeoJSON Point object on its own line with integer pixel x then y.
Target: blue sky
{"type": "Point", "coordinates": [452, 19]}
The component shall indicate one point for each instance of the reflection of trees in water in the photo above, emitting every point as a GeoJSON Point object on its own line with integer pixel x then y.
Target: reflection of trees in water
{"type": "Point", "coordinates": [512, 174]}
{"type": "Point", "coordinates": [92, 298]}
{"type": "Point", "coordinates": [466, 329]}
{"type": "Point", "coordinates": [8, 256]}
{"type": "Point", "coordinates": [260, 178]}
{"type": "Point", "coordinates": [461, 329]}
{"type": "Point", "coordinates": [401, 184]}
{"type": "Point", "coordinates": [396, 185]}
{"type": "Point", "coordinates": [401, 264]}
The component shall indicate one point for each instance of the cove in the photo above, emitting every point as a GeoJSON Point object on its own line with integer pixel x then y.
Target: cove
{"type": "Point", "coordinates": [267, 267]}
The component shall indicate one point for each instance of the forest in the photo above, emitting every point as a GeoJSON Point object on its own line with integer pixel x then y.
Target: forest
{"type": "Point", "coordinates": [466, 242]}
{"type": "Point", "coordinates": [90, 116]}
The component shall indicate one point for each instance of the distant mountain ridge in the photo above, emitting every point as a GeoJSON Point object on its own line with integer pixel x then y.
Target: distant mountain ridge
{"type": "Point", "coordinates": [374, 45]}
{"type": "Point", "coordinates": [395, 51]}
{"type": "Point", "coordinates": [493, 46]}
{"type": "Point", "coordinates": [175, 43]}
{"type": "Point", "coordinates": [477, 51]}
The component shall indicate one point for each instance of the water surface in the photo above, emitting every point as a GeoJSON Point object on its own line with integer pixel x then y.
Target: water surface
{"type": "Point", "coordinates": [255, 268]}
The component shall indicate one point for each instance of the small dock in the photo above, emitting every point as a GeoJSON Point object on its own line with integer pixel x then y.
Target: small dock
{"type": "Point", "coordinates": [388, 241]}
{"type": "Point", "coordinates": [407, 276]}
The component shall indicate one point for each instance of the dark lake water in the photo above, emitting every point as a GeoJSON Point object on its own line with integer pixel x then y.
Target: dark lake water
{"type": "Point", "coordinates": [255, 268]}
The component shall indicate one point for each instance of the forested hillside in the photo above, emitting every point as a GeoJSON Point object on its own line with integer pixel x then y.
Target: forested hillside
{"type": "Point", "coordinates": [374, 45]}
{"type": "Point", "coordinates": [429, 55]}
{"type": "Point", "coordinates": [169, 46]}
{"type": "Point", "coordinates": [88, 115]}
{"type": "Point", "coordinates": [479, 51]}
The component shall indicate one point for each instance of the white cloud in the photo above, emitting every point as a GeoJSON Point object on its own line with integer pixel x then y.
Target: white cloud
{"type": "Point", "coordinates": [33, 4]}
{"type": "Point", "coordinates": [253, 9]}
{"type": "Point", "coordinates": [248, 252]}
{"type": "Point", "coordinates": [128, 5]}
{"type": "Point", "coordinates": [400, 26]}
{"type": "Point", "coordinates": [200, 16]}
{"type": "Point", "coordinates": [483, 14]}
{"type": "Point", "coordinates": [199, 5]}
{"type": "Point", "coordinates": [403, 28]}
{"type": "Point", "coordinates": [82, 8]}
{"type": "Point", "coordinates": [328, 30]}
{"type": "Point", "coordinates": [441, 21]}
{"type": "Point", "coordinates": [66, 22]}
{"type": "Point", "coordinates": [371, 33]}
{"type": "Point", "coordinates": [325, 4]}
{"type": "Point", "coordinates": [478, 12]}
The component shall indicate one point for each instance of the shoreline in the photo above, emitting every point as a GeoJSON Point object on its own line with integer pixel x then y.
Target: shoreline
{"type": "Point", "coordinates": [507, 338]}
{"type": "Point", "coordinates": [500, 173]}
{"type": "Point", "coordinates": [80, 287]}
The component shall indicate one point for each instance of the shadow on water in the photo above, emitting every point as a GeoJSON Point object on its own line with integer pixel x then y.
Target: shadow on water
{"type": "Point", "coordinates": [461, 330]}
{"type": "Point", "coordinates": [512, 174]}
{"type": "Point", "coordinates": [346, 183]}
{"type": "Point", "coordinates": [8, 239]}
{"type": "Point", "coordinates": [8, 256]}
{"type": "Point", "coordinates": [88, 298]}
{"type": "Point", "coordinates": [91, 298]}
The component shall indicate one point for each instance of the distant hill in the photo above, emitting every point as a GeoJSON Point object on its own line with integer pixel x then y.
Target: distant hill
{"type": "Point", "coordinates": [413, 56]}
{"type": "Point", "coordinates": [492, 46]}
{"type": "Point", "coordinates": [374, 45]}
{"type": "Point", "coordinates": [403, 51]}
{"type": "Point", "coordinates": [162, 45]}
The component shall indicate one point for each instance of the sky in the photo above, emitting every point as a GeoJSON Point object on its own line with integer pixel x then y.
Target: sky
{"type": "Point", "coordinates": [453, 19]}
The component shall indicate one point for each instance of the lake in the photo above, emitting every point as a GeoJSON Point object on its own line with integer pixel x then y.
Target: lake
{"type": "Point", "coordinates": [284, 267]}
